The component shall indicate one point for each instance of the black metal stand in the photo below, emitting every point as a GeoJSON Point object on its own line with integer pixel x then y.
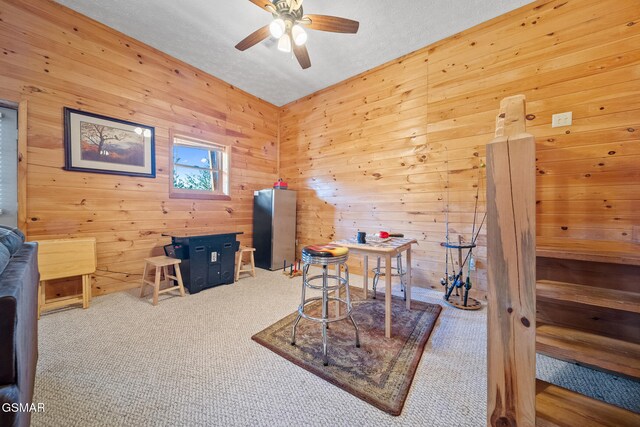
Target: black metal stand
{"type": "Point", "coordinates": [457, 280]}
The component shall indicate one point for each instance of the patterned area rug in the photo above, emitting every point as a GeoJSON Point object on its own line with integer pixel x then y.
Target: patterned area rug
{"type": "Point", "coordinates": [380, 372]}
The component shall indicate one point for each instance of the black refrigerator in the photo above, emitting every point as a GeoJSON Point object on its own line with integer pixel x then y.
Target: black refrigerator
{"type": "Point", "coordinates": [274, 228]}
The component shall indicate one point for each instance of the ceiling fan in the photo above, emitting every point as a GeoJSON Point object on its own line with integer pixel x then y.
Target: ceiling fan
{"type": "Point", "coordinates": [287, 27]}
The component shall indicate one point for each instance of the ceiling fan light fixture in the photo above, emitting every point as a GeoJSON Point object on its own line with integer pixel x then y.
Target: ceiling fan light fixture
{"type": "Point", "coordinates": [299, 35]}
{"type": "Point", "coordinates": [277, 27]}
{"type": "Point", "coordinates": [289, 27]}
{"type": "Point", "coordinates": [284, 44]}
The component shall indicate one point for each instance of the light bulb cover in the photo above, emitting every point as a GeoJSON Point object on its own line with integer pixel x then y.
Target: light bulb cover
{"type": "Point", "coordinates": [277, 27]}
{"type": "Point", "coordinates": [299, 35]}
{"type": "Point", "coordinates": [285, 43]}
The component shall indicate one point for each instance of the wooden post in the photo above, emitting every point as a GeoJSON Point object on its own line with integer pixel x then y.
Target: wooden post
{"type": "Point", "coordinates": [511, 245]}
{"type": "Point", "coordinates": [22, 166]}
{"type": "Point", "coordinates": [387, 295]}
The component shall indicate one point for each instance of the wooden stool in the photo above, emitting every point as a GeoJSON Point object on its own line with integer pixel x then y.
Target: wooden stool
{"type": "Point", "coordinates": [162, 263]}
{"type": "Point", "coordinates": [240, 262]}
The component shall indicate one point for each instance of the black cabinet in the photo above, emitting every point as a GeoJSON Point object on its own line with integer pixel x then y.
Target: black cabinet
{"type": "Point", "coordinates": [207, 261]}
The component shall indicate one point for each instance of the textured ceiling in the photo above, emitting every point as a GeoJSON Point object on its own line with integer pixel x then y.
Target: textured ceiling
{"type": "Point", "coordinates": [204, 32]}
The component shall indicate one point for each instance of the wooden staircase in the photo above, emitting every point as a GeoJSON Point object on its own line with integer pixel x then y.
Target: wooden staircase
{"type": "Point", "coordinates": [594, 319]}
{"type": "Point", "coordinates": [579, 303]}
{"type": "Point", "coordinates": [590, 317]}
{"type": "Point", "coordinates": [588, 349]}
{"type": "Point", "coordinates": [588, 295]}
{"type": "Point", "coordinates": [557, 406]}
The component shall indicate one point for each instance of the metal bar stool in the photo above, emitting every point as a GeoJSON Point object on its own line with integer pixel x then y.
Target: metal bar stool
{"type": "Point", "coordinates": [397, 271]}
{"type": "Point", "coordinates": [325, 255]}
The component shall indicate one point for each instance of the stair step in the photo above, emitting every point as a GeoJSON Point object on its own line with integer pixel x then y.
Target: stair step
{"type": "Point", "coordinates": [588, 349]}
{"type": "Point", "coordinates": [557, 406]}
{"type": "Point", "coordinates": [589, 295]}
{"type": "Point", "coordinates": [589, 250]}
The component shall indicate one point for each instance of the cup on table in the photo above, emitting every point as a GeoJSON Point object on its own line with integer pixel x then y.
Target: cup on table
{"type": "Point", "coordinates": [362, 237]}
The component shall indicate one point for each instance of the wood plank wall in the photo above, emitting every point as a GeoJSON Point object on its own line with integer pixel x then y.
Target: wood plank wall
{"type": "Point", "coordinates": [374, 152]}
{"type": "Point", "coordinates": [54, 57]}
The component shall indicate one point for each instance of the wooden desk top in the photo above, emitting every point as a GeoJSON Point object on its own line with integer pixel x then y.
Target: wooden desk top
{"type": "Point", "coordinates": [198, 233]}
{"type": "Point", "coordinates": [393, 245]}
{"type": "Point", "coordinates": [66, 258]}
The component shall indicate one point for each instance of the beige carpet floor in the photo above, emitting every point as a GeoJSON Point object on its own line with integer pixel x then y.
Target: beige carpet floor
{"type": "Point", "coordinates": [190, 362]}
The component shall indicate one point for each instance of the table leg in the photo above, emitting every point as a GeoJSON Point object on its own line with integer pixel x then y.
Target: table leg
{"type": "Point", "coordinates": [167, 281]}
{"type": "Point", "coordinates": [41, 297]}
{"type": "Point", "coordinates": [407, 288]}
{"type": "Point", "coordinates": [144, 278]}
{"type": "Point", "coordinates": [156, 286]}
{"type": "Point", "coordinates": [178, 274]}
{"type": "Point", "coordinates": [90, 294]}
{"type": "Point", "coordinates": [337, 295]}
{"type": "Point", "coordinates": [365, 275]}
{"type": "Point", "coordinates": [85, 291]}
{"type": "Point", "coordinates": [387, 296]}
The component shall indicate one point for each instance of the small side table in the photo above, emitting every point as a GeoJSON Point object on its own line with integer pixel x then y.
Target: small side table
{"type": "Point", "coordinates": [62, 258]}
{"type": "Point", "coordinates": [387, 249]}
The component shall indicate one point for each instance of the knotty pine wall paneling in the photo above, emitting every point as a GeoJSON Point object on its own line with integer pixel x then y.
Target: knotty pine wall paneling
{"type": "Point", "coordinates": [374, 152]}
{"type": "Point", "coordinates": [53, 57]}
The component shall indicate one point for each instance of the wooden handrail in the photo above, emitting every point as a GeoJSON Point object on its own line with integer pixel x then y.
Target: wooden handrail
{"type": "Point", "coordinates": [511, 256]}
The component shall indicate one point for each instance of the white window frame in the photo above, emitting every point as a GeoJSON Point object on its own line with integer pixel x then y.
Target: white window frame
{"type": "Point", "coordinates": [222, 193]}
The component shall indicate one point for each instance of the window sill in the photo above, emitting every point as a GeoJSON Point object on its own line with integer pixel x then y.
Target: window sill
{"type": "Point", "coordinates": [199, 196]}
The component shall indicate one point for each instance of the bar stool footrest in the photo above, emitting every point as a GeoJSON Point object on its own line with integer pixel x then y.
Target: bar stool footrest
{"type": "Point", "coordinates": [172, 288]}
{"type": "Point", "coordinates": [342, 282]}
{"type": "Point", "coordinates": [380, 272]}
{"type": "Point", "coordinates": [328, 319]}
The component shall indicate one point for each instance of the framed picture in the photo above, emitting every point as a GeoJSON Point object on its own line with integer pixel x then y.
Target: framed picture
{"type": "Point", "coordinates": [100, 144]}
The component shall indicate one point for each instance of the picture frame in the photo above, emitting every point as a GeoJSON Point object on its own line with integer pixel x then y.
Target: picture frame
{"type": "Point", "coordinates": [100, 144]}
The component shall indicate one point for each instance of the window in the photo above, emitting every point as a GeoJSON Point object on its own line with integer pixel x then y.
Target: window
{"type": "Point", "coordinates": [200, 169]}
{"type": "Point", "coordinates": [9, 187]}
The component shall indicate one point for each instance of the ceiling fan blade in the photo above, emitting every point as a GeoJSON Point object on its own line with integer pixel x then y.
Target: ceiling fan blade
{"type": "Point", "coordinates": [254, 38]}
{"type": "Point", "coordinates": [294, 5]}
{"type": "Point", "coordinates": [265, 5]}
{"type": "Point", "coordinates": [332, 23]}
{"type": "Point", "coordinates": [302, 55]}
